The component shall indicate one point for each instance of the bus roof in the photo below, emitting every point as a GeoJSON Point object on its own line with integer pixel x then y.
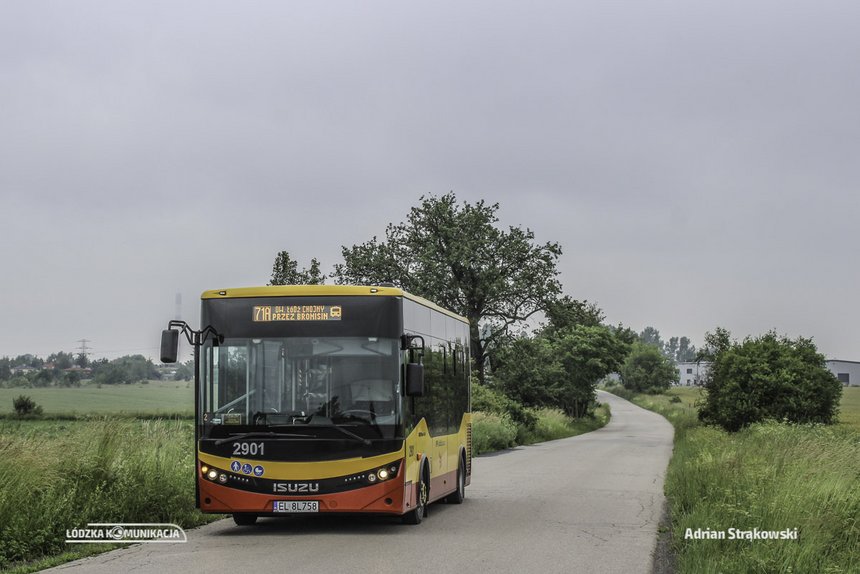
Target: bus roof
{"type": "Point", "coordinates": [321, 291]}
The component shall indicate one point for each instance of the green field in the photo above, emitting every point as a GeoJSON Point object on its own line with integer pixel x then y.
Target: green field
{"type": "Point", "coordinates": [770, 476]}
{"type": "Point", "coordinates": [153, 398]}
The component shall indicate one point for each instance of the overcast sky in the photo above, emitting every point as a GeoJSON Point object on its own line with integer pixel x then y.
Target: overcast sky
{"type": "Point", "coordinates": [698, 161]}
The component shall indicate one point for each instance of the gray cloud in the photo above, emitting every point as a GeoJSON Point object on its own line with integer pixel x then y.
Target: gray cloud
{"type": "Point", "coordinates": [697, 162]}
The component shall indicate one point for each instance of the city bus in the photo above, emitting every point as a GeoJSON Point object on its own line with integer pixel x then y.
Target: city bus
{"type": "Point", "coordinates": [327, 399]}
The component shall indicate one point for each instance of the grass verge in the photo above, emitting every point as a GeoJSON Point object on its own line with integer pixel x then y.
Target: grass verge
{"type": "Point", "coordinates": [68, 473]}
{"type": "Point", "coordinates": [770, 476]}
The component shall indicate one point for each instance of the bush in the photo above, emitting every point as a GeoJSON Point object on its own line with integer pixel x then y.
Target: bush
{"type": "Point", "coordinates": [489, 400]}
{"type": "Point", "coordinates": [491, 432]}
{"type": "Point", "coordinates": [769, 377]}
{"type": "Point", "coordinates": [647, 370]}
{"type": "Point", "coordinates": [25, 406]}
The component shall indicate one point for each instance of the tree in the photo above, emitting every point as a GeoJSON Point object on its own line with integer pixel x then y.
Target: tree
{"type": "Point", "coordinates": [560, 371]}
{"type": "Point", "coordinates": [527, 369]}
{"type": "Point", "coordinates": [587, 355]}
{"type": "Point", "coordinates": [566, 312]}
{"type": "Point", "coordinates": [82, 361]}
{"type": "Point", "coordinates": [286, 271]}
{"type": "Point", "coordinates": [646, 369]}
{"type": "Point", "coordinates": [651, 336]}
{"type": "Point", "coordinates": [670, 348]}
{"type": "Point", "coordinates": [185, 371]}
{"type": "Point", "coordinates": [686, 350]}
{"type": "Point", "coordinates": [455, 255]}
{"type": "Point", "coordinates": [60, 360]}
{"type": "Point", "coordinates": [769, 377]}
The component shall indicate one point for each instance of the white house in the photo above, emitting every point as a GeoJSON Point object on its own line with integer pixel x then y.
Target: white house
{"type": "Point", "coordinates": [848, 372]}
{"type": "Point", "coordinates": [691, 373]}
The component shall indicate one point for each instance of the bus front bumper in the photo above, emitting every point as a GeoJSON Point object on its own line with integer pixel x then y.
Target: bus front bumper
{"type": "Point", "coordinates": [389, 497]}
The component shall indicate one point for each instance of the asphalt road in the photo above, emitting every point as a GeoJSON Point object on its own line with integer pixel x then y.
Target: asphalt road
{"type": "Point", "coordinates": [587, 504]}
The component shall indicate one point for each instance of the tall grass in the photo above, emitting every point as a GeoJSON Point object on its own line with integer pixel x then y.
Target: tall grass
{"type": "Point", "coordinates": [59, 476]}
{"type": "Point", "coordinates": [493, 431]}
{"type": "Point", "coordinates": [770, 476]}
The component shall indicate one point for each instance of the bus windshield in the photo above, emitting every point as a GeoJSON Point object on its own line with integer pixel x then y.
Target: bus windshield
{"type": "Point", "coordinates": [271, 383]}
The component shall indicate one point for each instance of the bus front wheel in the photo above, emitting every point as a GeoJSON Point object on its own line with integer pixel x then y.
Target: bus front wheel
{"type": "Point", "coordinates": [415, 515]}
{"type": "Point", "coordinates": [244, 519]}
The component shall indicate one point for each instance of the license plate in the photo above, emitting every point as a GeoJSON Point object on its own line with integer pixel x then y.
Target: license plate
{"type": "Point", "coordinates": [296, 506]}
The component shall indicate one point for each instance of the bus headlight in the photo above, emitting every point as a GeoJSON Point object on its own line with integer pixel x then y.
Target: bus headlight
{"type": "Point", "coordinates": [382, 473]}
{"type": "Point", "coordinates": [204, 469]}
{"type": "Point", "coordinates": [213, 474]}
{"type": "Point", "coordinates": [371, 478]}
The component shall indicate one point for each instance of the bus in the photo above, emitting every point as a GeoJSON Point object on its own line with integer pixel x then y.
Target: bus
{"type": "Point", "coordinates": [327, 399]}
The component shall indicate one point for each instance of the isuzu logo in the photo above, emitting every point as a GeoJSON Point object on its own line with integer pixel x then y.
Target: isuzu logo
{"type": "Point", "coordinates": [296, 487]}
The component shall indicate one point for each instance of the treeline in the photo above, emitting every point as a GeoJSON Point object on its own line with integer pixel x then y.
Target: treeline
{"type": "Point", "coordinates": [63, 370]}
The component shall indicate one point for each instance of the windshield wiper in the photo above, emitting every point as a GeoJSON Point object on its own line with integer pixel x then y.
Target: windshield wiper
{"type": "Point", "coordinates": [350, 434]}
{"type": "Point", "coordinates": [259, 434]}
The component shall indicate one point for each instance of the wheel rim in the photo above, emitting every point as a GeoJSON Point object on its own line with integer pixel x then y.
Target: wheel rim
{"type": "Point", "coordinates": [422, 494]}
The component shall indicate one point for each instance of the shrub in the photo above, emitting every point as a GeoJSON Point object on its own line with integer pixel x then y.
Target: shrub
{"type": "Point", "coordinates": [491, 432]}
{"type": "Point", "coordinates": [25, 406]}
{"type": "Point", "coordinates": [769, 377]}
{"type": "Point", "coordinates": [647, 370]}
{"type": "Point", "coordinates": [489, 400]}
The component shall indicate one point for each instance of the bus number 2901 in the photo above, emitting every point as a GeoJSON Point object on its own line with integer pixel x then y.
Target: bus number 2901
{"type": "Point", "coordinates": [247, 448]}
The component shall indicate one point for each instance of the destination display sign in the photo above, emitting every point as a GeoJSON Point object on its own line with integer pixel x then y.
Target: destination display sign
{"type": "Point", "coordinates": [268, 313]}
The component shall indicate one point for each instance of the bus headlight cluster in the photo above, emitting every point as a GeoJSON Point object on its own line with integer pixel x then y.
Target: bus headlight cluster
{"type": "Point", "coordinates": [213, 474]}
{"type": "Point", "coordinates": [382, 473]}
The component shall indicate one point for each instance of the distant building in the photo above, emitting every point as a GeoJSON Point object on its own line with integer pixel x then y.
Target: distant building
{"type": "Point", "coordinates": [691, 373]}
{"type": "Point", "coordinates": [848, 372]}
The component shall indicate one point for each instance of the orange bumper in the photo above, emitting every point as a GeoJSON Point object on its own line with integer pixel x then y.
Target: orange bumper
{"type": "Point", "coordinates": [387, 497]}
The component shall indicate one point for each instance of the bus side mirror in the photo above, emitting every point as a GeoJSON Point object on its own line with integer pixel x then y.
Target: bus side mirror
{"type": "Point", "coordinates": [414, 380]}
{"type": "Point", "coordinates": [169, 345]}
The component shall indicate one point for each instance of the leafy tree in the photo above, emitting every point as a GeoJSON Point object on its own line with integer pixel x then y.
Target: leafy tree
{"type": "Point", "coordinates": [60, 360]}
{"type": "Point", "coordinates": [82, 361]}
{"type": "Point", "coordinates": [5, 369]}
{"type": "Point", "coordinates": [769, 377]}
{"type": "Point", "coordinates": [566, 312]}
{"type": "Point", "coordinates": [587, 355]}
{"type": "Point", "coordinates": [651, 336]}
{"type": "Point", "coordinates": [457, 256]}
{"type": "Point", "coordinates": [528, 369]}
{"type": "Point", "coordinates": [286, 271]}
{"type": "Point", "coordinates": [185, 371]}
{"type": "Point", "coordinates": [646, 369]}
{"type": "Point", "coordinates": [42, 378]}
{"type": "Point", "coordinates": [625, 334]}
{"type": "Point", "coordinates": [686, 350]}
{"type": "Point", "coordinates": [561, 371]}
{"type": "Point", "coordinates": [670, 348]}
{"type": "Point", "coordinates": [72, 379]}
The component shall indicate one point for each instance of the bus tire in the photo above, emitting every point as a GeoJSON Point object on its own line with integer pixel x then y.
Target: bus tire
{"type": "Point", "coordinates": [415, 515]}
{"type": "Point", "coordinates": [244, 519]}
{"type": "Point", "coordinates": [459, 495]}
